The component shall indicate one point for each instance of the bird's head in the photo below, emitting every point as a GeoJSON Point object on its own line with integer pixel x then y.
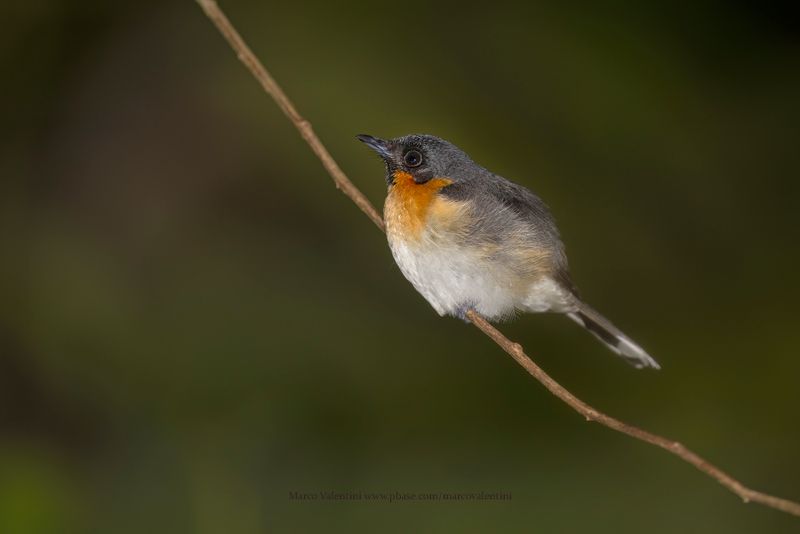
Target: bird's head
{"type": "Point", "coordinates": [423, 157]}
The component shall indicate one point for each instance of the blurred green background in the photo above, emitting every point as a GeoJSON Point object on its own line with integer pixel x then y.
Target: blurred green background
{"type": "Point", "coordinates": [194, 322]}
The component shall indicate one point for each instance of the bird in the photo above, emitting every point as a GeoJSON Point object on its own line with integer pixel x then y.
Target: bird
{"type": "Point", "coordinates": [469, 239]}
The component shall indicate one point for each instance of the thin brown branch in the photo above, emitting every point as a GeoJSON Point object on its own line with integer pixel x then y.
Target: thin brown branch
{"type": "Point", "coordinates": [514, 349]}
{"type": "Point", "coordinates": [676, 448]}
{"type": "Point", "coordinates": [269, 84]}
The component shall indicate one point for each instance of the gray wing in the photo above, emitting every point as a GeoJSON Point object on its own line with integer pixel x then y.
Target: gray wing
{"type": "Point", "coordinates": [501, 203]}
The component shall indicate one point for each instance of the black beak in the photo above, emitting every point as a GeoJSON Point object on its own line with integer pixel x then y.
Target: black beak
{"type": "Point", "coordinates": [381, 146]}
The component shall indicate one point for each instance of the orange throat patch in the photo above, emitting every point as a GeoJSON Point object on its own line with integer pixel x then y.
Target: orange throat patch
{"type": "Point", "coordinates": [409, 204]}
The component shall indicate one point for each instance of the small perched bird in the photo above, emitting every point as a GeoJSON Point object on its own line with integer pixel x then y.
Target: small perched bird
{"type": "Point", "coordinates": [467, 238]}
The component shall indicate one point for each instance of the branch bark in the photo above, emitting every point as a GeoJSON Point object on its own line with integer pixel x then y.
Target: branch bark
{"type": "Point", "coordinates": [270, 86]}
{"type": "Point", "coordinates": [515, 350]}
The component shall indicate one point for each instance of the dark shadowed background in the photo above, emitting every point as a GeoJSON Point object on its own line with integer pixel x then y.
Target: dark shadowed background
{"type": "Point", "coordinates": [194, 322]}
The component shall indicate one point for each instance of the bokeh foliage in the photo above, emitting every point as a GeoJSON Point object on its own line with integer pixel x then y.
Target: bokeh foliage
{"type": "Point", "coordinates": [194, 322]}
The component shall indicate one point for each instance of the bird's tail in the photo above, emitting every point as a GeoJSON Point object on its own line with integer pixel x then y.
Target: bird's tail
{"type": "Point", "coordinates": [612, 337]}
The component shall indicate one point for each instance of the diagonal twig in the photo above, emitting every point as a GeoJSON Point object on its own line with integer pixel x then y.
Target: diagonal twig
{"type": "Point", "coordinates": [676, 448]}
{"type": "Point", "coordinates": [269, 84]}
{"type": "Point", "coordinates": [516, 351]}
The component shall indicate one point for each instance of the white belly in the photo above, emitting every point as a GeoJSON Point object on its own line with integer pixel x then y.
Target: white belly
{"type": "Point", "coordinates": [453, 279]}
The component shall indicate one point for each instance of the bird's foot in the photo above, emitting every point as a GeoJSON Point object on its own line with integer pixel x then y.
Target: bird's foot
{"type": "Point", "coordinates": [461, 312]}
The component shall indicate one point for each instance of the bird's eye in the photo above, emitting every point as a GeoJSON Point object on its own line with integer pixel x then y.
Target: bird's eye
{"type": "Point", "coordinates": [413, 158]}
